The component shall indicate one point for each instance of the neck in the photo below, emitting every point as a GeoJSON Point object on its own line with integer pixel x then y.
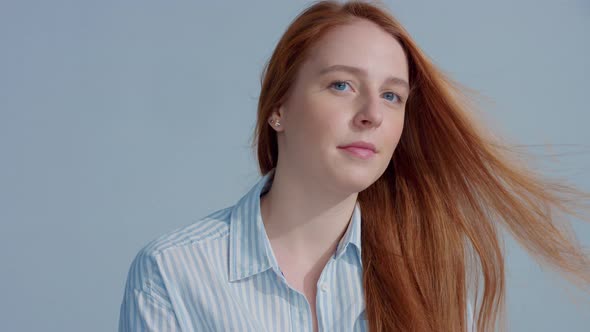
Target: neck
{"type": "Point", "coordinates": [303, 218]}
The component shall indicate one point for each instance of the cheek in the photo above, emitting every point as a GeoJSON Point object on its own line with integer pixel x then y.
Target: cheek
{"type": "Point", "coordinates": [318, 120]}
{"type": "Point", "coordinates": [394, 131]}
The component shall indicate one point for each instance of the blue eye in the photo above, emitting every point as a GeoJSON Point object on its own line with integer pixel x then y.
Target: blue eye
{"type": "Point", "coordinates": [395, 95]}
{"type": "Point", "coordinates": [339, 83]}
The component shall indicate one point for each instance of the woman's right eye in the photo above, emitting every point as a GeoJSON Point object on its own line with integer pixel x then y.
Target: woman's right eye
{"type": "Point", "coordinates": [339, 85]}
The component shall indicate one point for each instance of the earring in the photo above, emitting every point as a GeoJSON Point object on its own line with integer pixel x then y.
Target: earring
{"type": "Point", "coordinates": [275, 122]}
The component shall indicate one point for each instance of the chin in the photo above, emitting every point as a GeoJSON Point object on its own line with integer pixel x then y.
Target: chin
{"type": "Point", "coordinates": [356, 178]}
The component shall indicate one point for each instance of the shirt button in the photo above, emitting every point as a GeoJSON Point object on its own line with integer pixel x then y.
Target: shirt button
{"type": "Point", "coordinates": [324, 287]}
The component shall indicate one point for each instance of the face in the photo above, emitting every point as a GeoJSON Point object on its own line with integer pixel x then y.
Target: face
{"type": "Point", "coordinates": [352, 87]}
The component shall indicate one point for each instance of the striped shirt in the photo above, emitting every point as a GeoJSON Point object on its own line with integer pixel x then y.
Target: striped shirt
{"type": "Point", "coordinates": [220, 274]}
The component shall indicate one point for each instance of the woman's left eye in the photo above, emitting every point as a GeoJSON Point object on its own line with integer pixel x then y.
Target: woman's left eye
{"type": "Point", "coordinates": [394, 95]}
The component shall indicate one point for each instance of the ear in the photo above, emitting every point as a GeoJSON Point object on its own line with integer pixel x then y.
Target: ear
{"type": "Point", "coordinates": [277, 115]}
{"type": "Point", "coordinates": [279, 111]}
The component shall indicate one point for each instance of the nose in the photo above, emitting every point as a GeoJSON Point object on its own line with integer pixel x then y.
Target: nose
{"type": "Point", "coordinates": [369, 114]}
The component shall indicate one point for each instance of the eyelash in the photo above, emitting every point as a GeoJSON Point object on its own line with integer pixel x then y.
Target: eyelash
{"type": "Point", "coordinates": [347, 82]}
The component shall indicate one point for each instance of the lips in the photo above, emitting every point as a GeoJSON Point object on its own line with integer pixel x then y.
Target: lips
{"type": "Point", "coordinates": [360, 145]}
{"type": "Point", "coordinates": [363, 150]}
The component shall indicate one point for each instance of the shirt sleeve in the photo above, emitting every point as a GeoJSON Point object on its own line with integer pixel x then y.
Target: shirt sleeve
{"type": "Point", "coordinates": [146, 305]}
{"type": "Point", "coordinates": [143, 312]}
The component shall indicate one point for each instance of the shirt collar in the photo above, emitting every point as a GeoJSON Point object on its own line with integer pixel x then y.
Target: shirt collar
{"type": "Point", "coordinates": [249, 247]}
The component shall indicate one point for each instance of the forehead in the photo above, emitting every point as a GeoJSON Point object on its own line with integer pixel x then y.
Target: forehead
{"type": "Point", "coordinates": [360, 44]}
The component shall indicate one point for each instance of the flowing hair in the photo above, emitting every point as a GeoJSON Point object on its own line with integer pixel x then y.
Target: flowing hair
{"type": "Point", "coordinates": [430, 222]}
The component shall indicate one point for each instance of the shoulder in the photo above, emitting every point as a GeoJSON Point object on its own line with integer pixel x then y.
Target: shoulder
{"type": "Point", "coordinates": [214, 225]}
{"type": "Point", "coordinates": [145, 267]}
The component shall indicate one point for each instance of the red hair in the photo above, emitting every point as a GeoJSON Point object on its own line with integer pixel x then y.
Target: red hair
{"type": "Point", "coordinates": [434, 213]}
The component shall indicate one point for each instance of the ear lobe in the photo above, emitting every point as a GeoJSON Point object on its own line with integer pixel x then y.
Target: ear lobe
{"type": "Point", "coordinates": [275, 119]}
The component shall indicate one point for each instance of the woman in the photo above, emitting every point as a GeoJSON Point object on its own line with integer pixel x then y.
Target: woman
{"type": "Point", "coordinates": [355, 123]}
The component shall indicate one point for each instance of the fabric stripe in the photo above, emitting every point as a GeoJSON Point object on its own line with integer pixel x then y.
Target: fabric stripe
{"type": "Point", "coordinates": [220, 274]}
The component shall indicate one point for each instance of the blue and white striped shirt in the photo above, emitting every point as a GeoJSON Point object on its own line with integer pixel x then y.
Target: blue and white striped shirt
{"type": "Point", "coordinates": [220, 274]}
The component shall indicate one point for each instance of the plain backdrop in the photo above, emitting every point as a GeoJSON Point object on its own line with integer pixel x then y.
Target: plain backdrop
{"type": "Point", "coordinates": [123, 120]}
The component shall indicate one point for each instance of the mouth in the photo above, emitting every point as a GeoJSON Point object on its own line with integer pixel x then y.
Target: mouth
{"type": "Point", "coordinates": [358, 152]}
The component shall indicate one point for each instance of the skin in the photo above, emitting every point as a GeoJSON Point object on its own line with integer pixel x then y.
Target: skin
{"type": "Point", "coordinates": [316, 184]}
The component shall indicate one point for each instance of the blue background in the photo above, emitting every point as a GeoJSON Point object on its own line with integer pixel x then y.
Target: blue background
{"type": "Point", "coordinates": [122, 120]}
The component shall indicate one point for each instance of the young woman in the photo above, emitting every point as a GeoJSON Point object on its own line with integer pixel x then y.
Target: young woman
{"type": "Point", "coordinates": [378, 207]}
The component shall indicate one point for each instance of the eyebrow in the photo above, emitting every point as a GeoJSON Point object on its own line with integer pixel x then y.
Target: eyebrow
{"type": "Point", "coordinates": [362, 72]}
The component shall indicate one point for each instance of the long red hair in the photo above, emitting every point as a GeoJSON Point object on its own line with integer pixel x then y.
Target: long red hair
{"type": "Point", "coordinates": [430, 222]}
